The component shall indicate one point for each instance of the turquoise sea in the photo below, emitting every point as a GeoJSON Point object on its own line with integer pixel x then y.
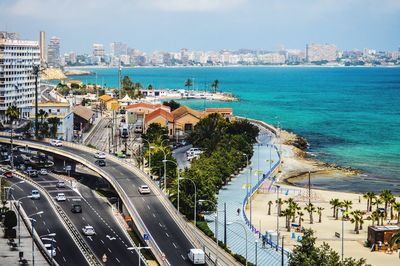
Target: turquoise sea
{"type": "Point", "coordinates": [350, 116]}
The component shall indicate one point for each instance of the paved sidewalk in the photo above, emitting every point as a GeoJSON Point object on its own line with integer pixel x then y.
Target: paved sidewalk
{"type": "Point", "coordinates": [233, 195]}
{"type": "Point", "coordinates": [11, 257]}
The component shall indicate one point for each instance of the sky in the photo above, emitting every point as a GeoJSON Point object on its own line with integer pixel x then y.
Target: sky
{"type": "Point", "coordinates": [169, 25]}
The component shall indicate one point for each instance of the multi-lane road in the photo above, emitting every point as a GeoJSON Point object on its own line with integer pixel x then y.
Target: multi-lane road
{"type": "Point", "coordinates": [159, 222]}
{"type": "Point", "coordinates": [109, 240]}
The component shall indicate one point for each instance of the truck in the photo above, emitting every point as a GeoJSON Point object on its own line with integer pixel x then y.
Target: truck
{"type": "Point", "coordinates": [197, 256]}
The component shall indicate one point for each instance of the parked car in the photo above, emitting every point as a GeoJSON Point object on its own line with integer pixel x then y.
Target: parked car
{"type": "Point", "coordinates": [193, 151]}
{"type": "Point", "coordinates": [43, 171]}
{"type": "Point", "coordinates": [100, 155]}
{"type": "Point", "coordinates": [35, 194]}
{"type": "Point", "coordinates": [100, 163]}
{"type": "Point", "coordinates": [144, 189]}
{"type": "Point", "coordinates": [88, 230]}
{"type": "Point", "coordinates": [61, 197]}
{"type": "Point", "coordinates": [60, 184]}
{"type": "Point", "coordinates": [76, 208]}
{"type": "Point", "coordinates": [51, 250]}
{"type": "Point", "coordinates": [56, 143]}
{"type": "Point", "coordinates": [8, 174]}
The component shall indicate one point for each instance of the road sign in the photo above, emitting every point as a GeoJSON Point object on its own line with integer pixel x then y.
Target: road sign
{"type": "Point", "coordinates": [146, 237]}
{"type": "Point", "coordinates": [104, 258]}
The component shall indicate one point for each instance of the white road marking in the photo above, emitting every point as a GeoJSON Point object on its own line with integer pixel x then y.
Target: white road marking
{"type": "Point", "coordinates": [148, 207]}
{"type": "Point", "coordinates": [183, 257]}
{"type": "Point", "coordinates": [167, 234]}
{"type": "Point", "coordinates": [83, 218]}
{"type": "Point", "coordinates": [64, 259]}
{"type": "Point", "coordinates": [118, 260]}
{"type": "Point", "coordinates": [154, 215]}
{"type": "Point", "coordinates": [174, 245]}
{"type": "Point", "coordinates": [44, 222]}
{"type": "Point", "coordinates": [48, 230]}
{"type": "Point", "coordinates": [109, 250]}
{"type": "Point", "coordinates": [59, 249]}
{"type": "Point", "coordinates": [102, 241]}
{"type": "Point", "coordinates": [160, 224]}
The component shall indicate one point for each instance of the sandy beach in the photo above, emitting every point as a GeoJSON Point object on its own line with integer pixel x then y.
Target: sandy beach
{"type": "Point", "coordinates": [296, 165]}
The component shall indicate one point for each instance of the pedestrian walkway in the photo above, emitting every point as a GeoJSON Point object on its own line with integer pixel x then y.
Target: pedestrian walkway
{"type": "Point", "coordinates": [10, 256]}
{"type": "Point", "coordinates": [264, 157]}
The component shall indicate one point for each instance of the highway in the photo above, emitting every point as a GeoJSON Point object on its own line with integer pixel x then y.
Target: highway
{"type": "Point", "coordinates": [159, 222]}
{"type": "Point", "coordinates": [67, 252]}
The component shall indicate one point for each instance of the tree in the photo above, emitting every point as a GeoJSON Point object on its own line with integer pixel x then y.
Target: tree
{"type": "Point", "coordinates": [357, 217]}
{"type": "Point", "coordinates": [214, 85]}
{"type": "Point", "coordinates": [244, 127]}
{"type": "Point", "coordinates": [188, 83]}
{"type": "Point", "coordinates": [377, 202]}
{"type": "Point", "coordinates": [155, 133]}
{"type": "Point", "coordinates": [395, 240]}
{"type": "Point", "coordinates": [150, 87]}
{"type": "Point", "coordinates": [396, 207]}
{"type": "Point", "coordinates": [287, 213]}
{"type": "Point", "coordinates": [335, 206]}
{"type": "Point", "coordinates": [172, 104]}
{"type": "Point", "coordinates": [13, 113]}
{"type": "Point", "coordinates": [300, 214]}
{"type": "Point", "coordinates": [269, 207]}
{"type": "Point", "coordinates": [310, 209]}
{"type": "Point", "coordinates": [375, 217]}
{"type": "Point", "coordinates": [53, 122]}
{"type": "Point", "coordinates": [347, 204]}
{"type": "Point", "coordinates": [319, 211]}
{"type": "Point", "coordinates": [369, 196]}
{"type": "Point", "coordinates": [386, 197]}
{"type": "Point", "coordinates": [279, 202]}
{"type": "Point", "coordinates": [126, 83]}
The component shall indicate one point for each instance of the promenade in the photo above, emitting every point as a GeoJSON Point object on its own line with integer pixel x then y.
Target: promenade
{"type": "Point", "coordinates": [233, 195]}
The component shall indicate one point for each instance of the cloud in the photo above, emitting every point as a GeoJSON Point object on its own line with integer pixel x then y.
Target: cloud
{"type": "Point", "coordinates": [195, 5]}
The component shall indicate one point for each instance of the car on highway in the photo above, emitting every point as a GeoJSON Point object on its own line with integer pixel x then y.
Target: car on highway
{"type": "Point", "coordinates": [192, 156]}
{"type": "Point", "coordinates": [144, 189]}
{"type": "Point", "coordinates": [8, 174]}
{"type": "Point", "coordinates": [88, 230]}
{"type": "Point", "coordinates": [56, 143]}
{"type": "Point", "coordinates": [61, 197]}
{"type": "Point", "coordinates": [100, 163]}
{"type": "Point", "coordinates": [32, 173]}
{"type": "Point", "coordinates": [60, 184]}
{"type": "Point", "coordinates": [197, 256]}
{"type": "Point", "coordinates": [194, 151]}
{"type": "Point", "coordinates": [100, 155]}
{"type": "Point", "coordinates": [120, 154]}
{"type": "Point", "coordinates": [43, 171]}
{"type": "Point", "coordinates": [51, 250]}
{"type": "Point", "coordinates": [35, 194]}
{"type": "Point", "coordinates": [76, 208]}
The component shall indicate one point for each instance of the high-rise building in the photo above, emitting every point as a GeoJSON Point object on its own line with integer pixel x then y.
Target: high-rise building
{"type": "Point", "coordinates": [321, 52]}
{"type": "Point", "coordinates": [17, 82]}
{"type": "Point", "coordinates": [98, 53]}
{"type": "Point", "coordinates": [53, 52]}
{"type": "Point", "coordinates": [42, 45]}
{"type": "Point", "coordinates": [118, 48]}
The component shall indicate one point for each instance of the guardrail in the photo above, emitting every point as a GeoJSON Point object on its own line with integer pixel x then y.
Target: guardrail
{"type": "Point", "coordinates": [76, 236]}
{"type": "Point", "coordinates": [197, 239]}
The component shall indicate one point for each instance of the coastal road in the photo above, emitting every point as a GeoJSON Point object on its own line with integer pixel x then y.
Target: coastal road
{"type": "Point", "coordinates": [67, 252]}
{"type": "Point", "coordinates": [109, 238]}
{"type": "Point", "coordinates": [161, 225]}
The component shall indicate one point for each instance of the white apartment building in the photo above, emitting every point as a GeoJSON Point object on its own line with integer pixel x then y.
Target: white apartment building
{"type": "Point", "coordinates": [319, 52]}
{"type": "Point", "coordinates": [17, 82]}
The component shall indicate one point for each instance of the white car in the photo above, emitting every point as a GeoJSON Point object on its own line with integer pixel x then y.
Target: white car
{"type": "Point", "coordinates": [56, 143]}
{"type": "Point", "coordinates": [61, 197]}
{"type": "Point", "coordinates": [193, 152]}
{"type": "Point", "coordinates": [100, 155]}
{"type": "Point", "coordinates": [60, 184]}
{"type": "Point", "coordinates": [88, 230]}
{"type": "Point", "coordinates": [143, 189]}
{"type": "Point", "coordinates": [50, 250]}
{"type": "Point", "coordinates": [192, 156]}
{"type": "Point", "coordinates": [43, 171]}
{"type": "Point", "coordinates": [35, 194]}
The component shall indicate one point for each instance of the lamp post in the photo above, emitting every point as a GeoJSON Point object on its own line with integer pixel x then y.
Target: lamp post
{"type": "Point", "coordinates": [165, 170]}
{"type": "Point", "coordinates": [33, 234]}
{"type": "Point", "coordinates": [138, 251]}
{"type": "Point", "coordinates": [277, 216]}
{"type": "Point", "coordinates": [245, 233]}
{"type": "Point", "coordinates": [255, 243]}
{"type": "Point", "coordinates": [19, 218]}
{"type": "Point", "coordinates": [195, 198]}
{"type": "Point", "coordinates": [52, 235]}
{"type": "Point", "coordinates": [150, 147]}
{"type": "Point", "coordinates": [177, 170]}
{"type": "Point", "coordinates": [12, 187]}
{"type": "Point", "coordinates": [343, 213]}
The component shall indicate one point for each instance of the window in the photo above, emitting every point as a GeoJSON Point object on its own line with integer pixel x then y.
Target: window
{"type": "Point", "coordinates": [188, 127]}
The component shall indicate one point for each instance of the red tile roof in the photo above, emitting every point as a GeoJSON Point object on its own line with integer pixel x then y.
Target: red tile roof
{"type": "Point", "coordinates": [146, 105]}
{"type": "Point", "coordinates": [219, 110]}
{"type": "Point", "coordinates": [159, 112]}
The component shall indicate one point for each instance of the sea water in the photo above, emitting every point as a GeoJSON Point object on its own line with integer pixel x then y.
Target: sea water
{"type": "Point", "coordinates": [349, 116]}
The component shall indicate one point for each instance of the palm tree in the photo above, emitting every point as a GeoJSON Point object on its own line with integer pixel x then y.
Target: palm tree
{"type": "Point", "coordinates": [347, 204]}
{"type": "Point", "coordinates": [381, 215]}
{"type": "Point", "coordinates": [392, 202]}
{"type": "Point", "coordinates": [377, 202]}
{"type": "Point", "coordinates": [214, 85]}
{"type": "Point", "coordinates": [150, 87]}
{"type": "Point", "coordinates": [287, 213]}
{"type": "Point", "coordinates": [279, 203]}
{"type": "Point", "coordinates": [300, 214]}
{"type": "Point", "coordinates": [13, 113]}
{"type": "Point", "coordinates": [188, 83]}
{"type": "Point", "coordinates": [386, 197]}
{"type": "Point", "coordinates": [269, 207]}
{"type": "Point", "coordinates": [319, 211]}
{"type": "Point", "coordinates": [369, 196]}
{"type": "Point", "coordinates": [396, 207]}
{"type": "Point", "coordinates": [375, 217]}
{"type": "Point", "coordinates": [42, 114]}
{"type": "Point", "coordinates": [357, 216]}
{"type": "Point", "coordinates": [395, 239]}
{"type": "Point", "coordinates": [310, 209]}
{"type": "Point", "coordinates": [53, 122]}
{"type": "Point", "coordinates": [335, 204]}
{"type": "Point", "coordinates": [294, 207]}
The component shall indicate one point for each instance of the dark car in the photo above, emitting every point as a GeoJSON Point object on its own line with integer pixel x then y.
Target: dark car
{"type": "Point", "coordinates": [100, 163]}
{"type": "Point", "coordinates": [76, 208]}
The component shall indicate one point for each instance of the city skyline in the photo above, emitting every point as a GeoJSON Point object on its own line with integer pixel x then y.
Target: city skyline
{"type": "Point", "coordinates": [207, 25]}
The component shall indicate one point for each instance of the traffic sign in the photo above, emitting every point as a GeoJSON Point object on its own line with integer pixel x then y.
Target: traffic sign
{"type": "Point", "coordinates": [146, 237]}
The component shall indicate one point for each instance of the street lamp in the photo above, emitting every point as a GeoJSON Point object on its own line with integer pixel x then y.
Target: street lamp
{"type": "Point", "coordinates": [245, 233]}
{"type": "Point", "coordinates": [52, 235]}
{"type": "Point", "coordinates": [150, 147]}
{"type": "Point", "coordinates": [165, 169]}
{"type": "Point", "coordinates": [177, 170]}
{"type": "Point", "coordinates": [195, 198]}
{"type": "Point", "coordinates": [343, 213]}
{"type": "Point", "coordinates": [33, 234]}
{"type": "Point", "coordinates": [19, 218]}
{"type": "Point", "coordinates": [277, 216]}
{"type": "Point", "coordinates": [12, 187]}
{"type": "Point", "coordinates": [138, 251]}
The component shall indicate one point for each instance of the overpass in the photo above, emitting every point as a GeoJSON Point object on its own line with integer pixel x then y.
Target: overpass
{"type": "Point", "coordinates": [170, 236]}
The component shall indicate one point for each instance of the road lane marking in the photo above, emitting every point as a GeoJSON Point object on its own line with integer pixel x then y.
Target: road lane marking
{"type": "Point", "coordinates": [109, 250]}
{"type": "Point", "coordinates": [167, 234]}
{"type": "Point", "coordinates": [83, 218]}
{"type": "Point", "coordinates": [118, 260]}
{"type": "Point", "coordinates": [183, 257]}
{"type": "Point", "coordinates": [48, 230]}
{"type": "Point", "coordinates": [154, 215]}
{"type": "Point", "coordinates": [174, 245]}
{"type": "Point", "coordinates": [102, 241]}
{"type": "Point", "coordinates": [143, 199]}
{"type": "Point", "coordinates": [44, 222]}
{"type": "Point", "coordinates": [148, 207]}
{"type": "Point", "coordinates": [64, 259]}
{"type": "Point", "coordinates": [59, 249]}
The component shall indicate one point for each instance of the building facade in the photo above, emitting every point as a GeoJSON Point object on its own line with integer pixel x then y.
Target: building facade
{"type": "Point", "coordinates": [321, 52]}
{"type": "Point", "coordinates": [53, 52]}
{"type": "Point", "coordinates": [17, 82]}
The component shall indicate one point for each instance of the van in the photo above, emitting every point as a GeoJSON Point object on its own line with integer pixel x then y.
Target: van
{"type": "Point", "coordinates": [56, 142]}
{"type": "Point", "coordinates": [197, 256]}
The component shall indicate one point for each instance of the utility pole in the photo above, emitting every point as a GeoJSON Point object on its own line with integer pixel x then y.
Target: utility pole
{"type": "Point", "coordinates": [36, 73]}
{"type": "Point", "coordinates": [309, 187]}
{"type": "Point", "coordinates": [283, 254]}
{"type": "Point", "coordinates": [225, 235]}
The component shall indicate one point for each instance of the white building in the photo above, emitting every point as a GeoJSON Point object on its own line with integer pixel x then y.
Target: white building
{"type": "Point", "coordinates": [17, 82]}
{"type": "Point", "coordinates": [53, 52]}
{"type": "Point", "coordinates": [98, 53]}
{"type": "Point", "coordinates": [321, 52]}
